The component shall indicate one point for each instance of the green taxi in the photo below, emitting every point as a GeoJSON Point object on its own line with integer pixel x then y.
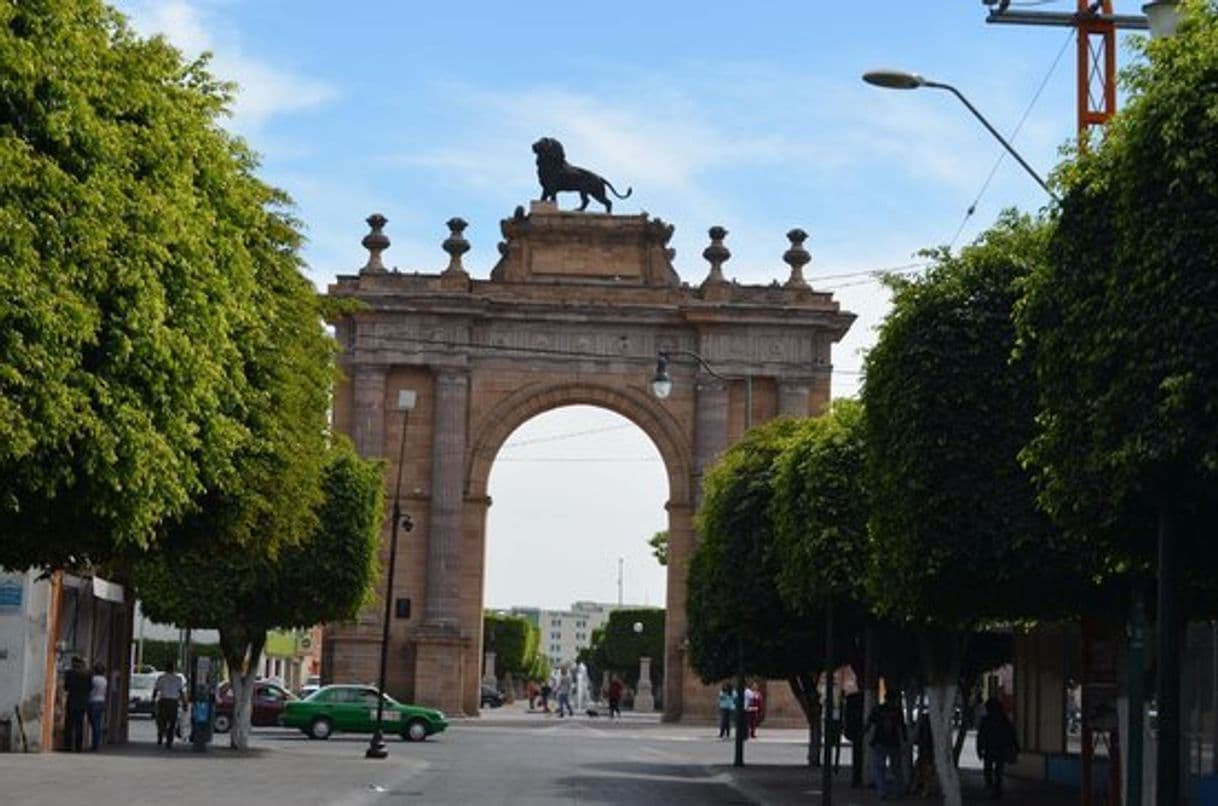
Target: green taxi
{"type": "Point", "coordinates": [352, 709]}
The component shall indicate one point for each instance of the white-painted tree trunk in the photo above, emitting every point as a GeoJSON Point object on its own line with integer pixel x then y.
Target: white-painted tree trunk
{"type": "Point", "coordinates": [942, 694]}
{"type": "Point", "coordinates": [242, 657]}
{"type": "Point", "coordinates": [941, 653]}
{"type": "Point", "coordinates": [243, 709]}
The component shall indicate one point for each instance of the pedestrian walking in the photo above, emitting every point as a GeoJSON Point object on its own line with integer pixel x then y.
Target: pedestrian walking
{"type": "Point", "coordinates": [615, 696]}
{"type": "Point", "coordinates": [168, 692]}
{"type": "Point", "coordinates": [887, 728]}
{"type": "Point", "coordinates": [564, 694]}
{"type": "Point", "coordinates": [996, 745]}
{"type": "Point", "coordinates": [752, 705]}
{"type": "Point", "coordinates": [546, 691]}
{"type": "Point", "coordinates": [97, 705]}
{"type": "Point", "coordinates": [77, 682]}
{"type": "Point", "coordinates": [727, 706]}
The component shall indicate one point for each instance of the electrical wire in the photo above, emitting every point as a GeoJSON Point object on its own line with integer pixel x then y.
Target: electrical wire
{"type": "Point", "coordinates": [570, 435]}
{"type": "Point", "coordinates": [972, 208]}
{"type": "Point", "coordinates": [550, 351]}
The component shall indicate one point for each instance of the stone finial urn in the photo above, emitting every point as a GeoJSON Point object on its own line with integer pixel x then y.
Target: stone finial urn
{"type": "Point", "coordinates": [456, 246]}
{"type": "Point", "coordinates": [716, 254]}
{"type": "Point", "coordinates": [797, 257]}
{"type": "Point", "coordinates": [375, 242]}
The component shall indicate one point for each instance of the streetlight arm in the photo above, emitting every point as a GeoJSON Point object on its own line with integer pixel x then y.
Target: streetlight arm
{"type": "Point", "coordinates": [1010, 149]}
{"type": "Point", "coordinates": [664, 354]}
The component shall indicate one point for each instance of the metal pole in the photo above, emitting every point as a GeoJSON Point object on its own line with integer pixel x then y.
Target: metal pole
{"type": "Point", "coordinates": [1137, 698]}
{"type": "Point", "coordinates": [741, 716]}
{"type": "Point", "coordinates": [826, 788]}
{"type": "Point", "coordinates": [1168, 776]}
{"type": "Point", "coordinates": [1010, 149]}
{"type": "Point", "coordinates": [376, 746]}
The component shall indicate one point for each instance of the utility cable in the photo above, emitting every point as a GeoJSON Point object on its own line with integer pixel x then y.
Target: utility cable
{"type": "Point", "coordinates": [972, 208]}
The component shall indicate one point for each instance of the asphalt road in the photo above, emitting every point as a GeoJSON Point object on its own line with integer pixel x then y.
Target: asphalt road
{"type": "Point", "coordinates": [527, 759]}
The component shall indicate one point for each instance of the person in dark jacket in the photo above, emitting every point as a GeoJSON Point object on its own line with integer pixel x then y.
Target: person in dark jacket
{"type": "Point", "coordinates": [886, 728]}
{"type": "Point", "coordinates": [77, 682]}
{"type": "Point", "coordinates": [996, 745]}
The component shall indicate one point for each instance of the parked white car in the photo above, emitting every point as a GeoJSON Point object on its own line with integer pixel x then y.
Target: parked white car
{"type": "Point", "coordinates": [139, 695]}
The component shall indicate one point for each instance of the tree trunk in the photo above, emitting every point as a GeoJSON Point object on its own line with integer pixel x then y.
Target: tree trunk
{"type": "Point", "coordinates": [242, 649]}
{"type": "Point", "coordinates": [941, 654]}
{"type": "Point", "coordinates": [803, 686]}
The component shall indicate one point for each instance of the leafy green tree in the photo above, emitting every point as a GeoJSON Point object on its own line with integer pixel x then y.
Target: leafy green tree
{"type": "Point", "coordinates": [1122, 323]}
{"type": "Point", "coordinates": [131, 229]}
{"type": "Point", "coordinates": [659, 547]}
{"type": "Point", "coordinates": [820, 512]}
{"type": "Point", "coordinates": [616, 647]}
{"type": "Point", "coordinates": [733, 604]}
{"type": "Point", "coordinates": [958, 538]}
{"type": "Point", "coordinates": [515, 641]}
{"type": "Point", "coordinates": [327, 576]}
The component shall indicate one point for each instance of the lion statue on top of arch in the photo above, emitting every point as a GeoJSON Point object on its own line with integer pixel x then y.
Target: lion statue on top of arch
{"type": "Point", "coordinates": [557, 175]}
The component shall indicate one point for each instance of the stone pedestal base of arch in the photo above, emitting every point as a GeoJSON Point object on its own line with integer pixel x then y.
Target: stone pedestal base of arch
{"type": "Point", "coordinates": [439, 668]}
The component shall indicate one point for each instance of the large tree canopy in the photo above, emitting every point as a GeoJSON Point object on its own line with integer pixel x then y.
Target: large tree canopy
{"type": "Point", "coordinates": [957, 535]}
{"type": "Point", "coordinates": [820, 511]}
{"type": "Point", "coordinates": [1122, 321]}
{"type": "Point", "coordinates": [733, 592]}
{"type": "Point", "coordinates": [325, 576]}
{"type": "Point", "coordinates": [131, 232]}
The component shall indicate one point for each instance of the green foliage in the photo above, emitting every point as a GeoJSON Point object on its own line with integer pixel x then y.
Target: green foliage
{"type": "Point", "coordinates": [820, 512]}
{"type": "Point", "coordinates": [659, 547]}
{"type": "Point", "coordinates": [733, 591]}
{"type": "Point", "coordinates": [956, 531]}
{"type": "Point", "coordinates": [1122, 322]}
{"type": "Point", "coordinates": [616, 647]}
{"type": "Point", "coordinates": [515, 641]}
{"type": "Point", "coordinates": [132, 238]}
{"type": "Point", "coordinates": [159, 654]}
{"type": "Point", "coordinates": [326, 577]}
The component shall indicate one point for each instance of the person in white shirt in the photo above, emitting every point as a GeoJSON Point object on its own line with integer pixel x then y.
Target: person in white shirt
{"type": "Point", "coordinates": [97, 704]}
{"type": "Point", "coordinates": [167, 692]}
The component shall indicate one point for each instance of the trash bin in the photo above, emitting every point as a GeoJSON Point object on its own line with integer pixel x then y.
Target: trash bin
{"type": "Point", "coordinates": [6, 735]}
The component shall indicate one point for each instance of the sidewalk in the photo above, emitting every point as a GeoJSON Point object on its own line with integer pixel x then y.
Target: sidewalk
{"type": "Point", "coordinates": [770, 785]}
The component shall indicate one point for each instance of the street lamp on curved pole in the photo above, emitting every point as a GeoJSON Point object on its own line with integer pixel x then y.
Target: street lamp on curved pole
{"type": "Point", "coordinates": [661, 387]}
{"type": "Point", "coordinates": [376, 745]}
{"type": "Point", "coordinates": [901, 80]}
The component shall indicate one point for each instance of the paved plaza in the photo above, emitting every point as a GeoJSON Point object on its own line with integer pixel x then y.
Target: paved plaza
{"type": "Point", "coordinates": [508, 757]}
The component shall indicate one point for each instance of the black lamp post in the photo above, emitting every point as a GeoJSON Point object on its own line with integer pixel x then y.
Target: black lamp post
{"type": "Point", "coordinates": [376, 745]}
{"type": "Point", "coordinates": [661, 386]}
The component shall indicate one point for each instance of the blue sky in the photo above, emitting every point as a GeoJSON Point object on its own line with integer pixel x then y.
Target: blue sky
{"type": "Point", "coordinates": [748, 116]}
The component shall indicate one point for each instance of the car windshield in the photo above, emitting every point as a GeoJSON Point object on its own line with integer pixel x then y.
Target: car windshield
{"type": "Point", "coordinates": [144, 680]}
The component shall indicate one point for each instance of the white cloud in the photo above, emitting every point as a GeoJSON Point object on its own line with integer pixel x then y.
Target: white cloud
{"type": "Point", "coordinates": [266, 90]}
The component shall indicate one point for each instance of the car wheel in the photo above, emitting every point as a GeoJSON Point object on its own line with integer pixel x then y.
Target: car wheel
{"type": "Point", "coordinates": [416, 731]}
{"type": "Point", "coordinates": [223, 723]}
{"type": "Point", "coordinates": [320, 728]}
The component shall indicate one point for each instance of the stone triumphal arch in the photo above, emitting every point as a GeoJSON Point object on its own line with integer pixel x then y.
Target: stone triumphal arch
{"type": "Point", "coordinates": [574, 312]}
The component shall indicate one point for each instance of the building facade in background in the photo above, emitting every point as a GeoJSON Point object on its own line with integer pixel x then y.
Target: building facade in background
{"type": "Point", "coordinates": [565, 632]}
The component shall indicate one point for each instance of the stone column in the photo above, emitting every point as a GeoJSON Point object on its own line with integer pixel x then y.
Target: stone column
{"type": "Point", "coordinates": [710, 427]}
{"type": "Point", "coordinates": [644, 702]}
{"type": "Point", "coordinates": [676, 676]}
{"type": "Point", "coordinates": [488, 674]}
{"type": "Point", "coordinates": [368, 410]}
{"type": "Point", "coordinates": [443, 601]}
{"type": "Point", "coordinates": [794, 397]}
